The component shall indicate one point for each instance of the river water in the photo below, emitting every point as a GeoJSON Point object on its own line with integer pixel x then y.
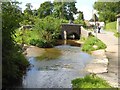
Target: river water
{"type": "Point", "coordinates": [57, 73]}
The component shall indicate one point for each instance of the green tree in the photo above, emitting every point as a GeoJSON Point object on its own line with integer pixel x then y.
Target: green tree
{"type": "Point", "coordinates": [29, 15]}
{"type": "Point", "coordinates": [13, 62]}
{"type": "Point", "coordinates": [28, 9]}
{"type": "Point", "coordinates": [45, 9]}
{"type": "Point", "coordinates": [59, 10]}
{"type": "Point", "coordinates": [64, 10]}
{"type": "Point", "coordinates": [107, 10]}
{"type": "Point", "coordinates": [80, 16]}
{"type": "Point", "coordinates": [71, 10]}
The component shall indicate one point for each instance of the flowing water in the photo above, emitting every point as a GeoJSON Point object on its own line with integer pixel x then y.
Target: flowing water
{"type": "Point", "coordinates": [58, 72]}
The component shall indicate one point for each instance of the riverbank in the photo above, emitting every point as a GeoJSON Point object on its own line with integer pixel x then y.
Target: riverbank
{"type": "Point", "coordinates": [99, 64]}
{"type": "Point", "coordinates": [112, 54]}
{"type": "Point", "coordinates": [108, 70]}
{"type": "Point", "coordinates": [33, 51]}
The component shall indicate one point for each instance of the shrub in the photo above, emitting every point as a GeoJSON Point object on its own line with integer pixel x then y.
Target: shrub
{"type": "Point", "coordinates": [14, 69]}
{"type": "Point", "coordinates": [117, 34]}
{"type": "Point", "coordinates": [64, 21]}
{"type": "Point", "coordinates": [41, 43]}
{"type": "Point", "coordinates": [90, 42]}
{"type": "Point", "coordinates": [90, 81]}
{"type": "Point", "coordinates": [49, 29]}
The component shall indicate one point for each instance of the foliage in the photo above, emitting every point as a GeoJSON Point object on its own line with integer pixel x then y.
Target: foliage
{"type": "Point", "coordinates": [90, 81]}
{"type": "Point", "coordinates": [117, 34]}
{"type": "Point", "coordinates": [29, 16]}
{"type": "Point", "coordinates": [28, 10]}
{"type": "Point", "coordinates": [49, 29]}
{"type": "Point", "coordinates": [61, 10]}
{"type": "Point", "coordinates": [43, 34]}
{"type": "Point", "coordinates": [64, 21]}
{"type": "Point", "coordinates": [64, 10]}
{"type": "Point", "coordinates": [13, 62]}
{"type": "Point", "coordinates": [28, 19]}
{"type": "Point", "coordinates": [41, 43]}
{"type": "Point", "coordinates": [83, 39]}
{"type": "Point", "coordinates": [26, 36]}
{"type": "Point", "coordinates": [111, 26]}
{"type": "Point", "coordinates": [90, 42]}
{"type": "Point", "coordinates": [80, 22]}
{"type": "Point", "coordinates": [80, 16]}
{"type": "Point", "coordinates": [80, 19]}
{"type": "Point", "coordinates": [45, 9]}
{"type": "Point", "coordinates": [109, 12]}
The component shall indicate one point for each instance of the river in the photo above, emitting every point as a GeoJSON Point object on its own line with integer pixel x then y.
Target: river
{"type": "Point", "coordinates": [58, 72]}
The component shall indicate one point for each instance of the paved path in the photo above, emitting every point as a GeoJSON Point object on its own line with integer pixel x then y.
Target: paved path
{"type": "Point", "coordinates": [112, 53]}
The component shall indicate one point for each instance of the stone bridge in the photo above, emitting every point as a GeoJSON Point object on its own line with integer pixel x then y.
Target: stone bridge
{"type": "Point", "coordinates": [71, 31]}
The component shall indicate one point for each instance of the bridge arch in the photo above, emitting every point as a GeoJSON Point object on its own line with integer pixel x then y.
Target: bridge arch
{"type": "Point", "coordinates": [71, 31]}
{"type": "Point", "coordinates": [73, 35]}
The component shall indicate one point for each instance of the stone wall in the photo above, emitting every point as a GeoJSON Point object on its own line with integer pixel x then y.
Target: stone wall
{"type": "Point", "coordinates": [69, 29]}
{"type": "Point", "coordinates": [84, 33]}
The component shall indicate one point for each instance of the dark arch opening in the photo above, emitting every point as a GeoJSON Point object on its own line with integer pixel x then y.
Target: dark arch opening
{"type": "Point", "coordinates": [73, 35]}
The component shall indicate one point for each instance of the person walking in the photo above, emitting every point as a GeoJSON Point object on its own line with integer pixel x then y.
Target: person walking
{"type": "Point", "coordinates": [99, 28]}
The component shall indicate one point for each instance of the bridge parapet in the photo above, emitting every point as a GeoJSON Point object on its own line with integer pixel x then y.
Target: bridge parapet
{"type": "Point", "coordinates": [68, 29]}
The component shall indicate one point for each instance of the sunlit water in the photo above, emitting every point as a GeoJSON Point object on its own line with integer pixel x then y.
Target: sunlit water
{"type": "Point", "coordinates": [57, 73]}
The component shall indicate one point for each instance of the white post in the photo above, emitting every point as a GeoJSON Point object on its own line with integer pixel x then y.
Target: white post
{"type": "Point", "coordinates": [118, 24]}
{"type": "Point", "coordinates": [65, 35]}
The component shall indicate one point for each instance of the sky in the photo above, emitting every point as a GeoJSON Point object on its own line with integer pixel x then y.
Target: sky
{"type": "Point", "coordinates": [86, 6]}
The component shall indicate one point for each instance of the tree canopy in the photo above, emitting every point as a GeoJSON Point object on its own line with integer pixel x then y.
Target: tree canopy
{"type": "Point", "coordinates": [64, 10]}
{"type": "Point", "coordinates": [13, 63]}
{"type": "Point", "coordinates": [107, 10]}
{"type": "Point", "coordinates": [61, 10]}
{"type": "Point", "coordinates": [28, 9]}
{"type": "Point", "coordinates": [45, 9]}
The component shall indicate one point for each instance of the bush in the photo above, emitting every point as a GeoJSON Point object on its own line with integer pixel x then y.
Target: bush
{"type": "Point", "coordinates": [90, 42]}
{"type": "Point", "coordinates": [49, 29]}
{"type": "Point", "coordinates": [117, 34]}
{"type": "Point", "coordinates": [90, 81]}
{"type": "Point", "coordinates": [14, 66]}
{"type": "Point", "coordinates": [64, 21]}
{"type": "Point", "coordinates": [41, 43]}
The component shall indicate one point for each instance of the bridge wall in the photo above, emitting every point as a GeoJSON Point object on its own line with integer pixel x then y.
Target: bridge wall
{"type": "Point", "coordinates": [69, 29]}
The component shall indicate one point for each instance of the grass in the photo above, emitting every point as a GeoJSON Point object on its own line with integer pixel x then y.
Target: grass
{"type": "Point", "coordinates": [83, 39]}
{"type": "Point", "coordinates": [92, 41]}
{"type": "Point", "coordinates": [50, 54]}
{"type": "Point", "coordinates": [111, 26]}
{"type": "Point", "coordinates": [90, 81]}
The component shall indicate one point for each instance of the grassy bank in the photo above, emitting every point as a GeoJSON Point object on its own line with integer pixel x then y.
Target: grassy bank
{"type": "Point", "coordinates": [90, 81]}
{"type": "Point", "coordinates": [92, 43]}
{"type": "Point", "coordinates": [111, 26]}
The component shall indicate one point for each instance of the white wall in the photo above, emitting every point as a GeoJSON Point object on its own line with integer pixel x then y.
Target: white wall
{"type": "Point", "coordinates": [118, 24]}
{"type": "Point", "coordinates": [101, 23]}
